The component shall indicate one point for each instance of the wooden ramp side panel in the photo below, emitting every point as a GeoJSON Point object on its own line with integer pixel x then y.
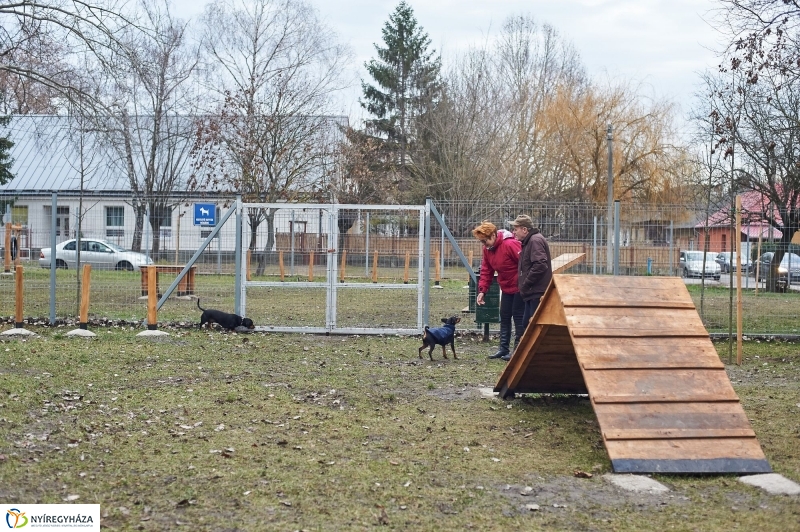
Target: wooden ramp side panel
{"type": "Point", "coordinates": [660, 392]}
{"type": "Point", "coordinates": [661, 395]}
{"type": "Point", "coordinates": [554, 369]}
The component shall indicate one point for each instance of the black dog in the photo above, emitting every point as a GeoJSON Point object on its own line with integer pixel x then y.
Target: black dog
{"type": "Point", "coordinates": [440, 336]}
{"type": "Point", "coordinates": [227, 321]}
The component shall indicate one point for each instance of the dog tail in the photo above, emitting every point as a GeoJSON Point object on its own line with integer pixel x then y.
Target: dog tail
{"type": "Point", "coordinates": [198, 305]}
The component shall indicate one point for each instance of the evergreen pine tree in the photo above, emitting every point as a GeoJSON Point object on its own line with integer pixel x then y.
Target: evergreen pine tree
{"type": "Point", "coordinates": [5, 153]}
{"type": "Point", "coordinates": [407, 83]}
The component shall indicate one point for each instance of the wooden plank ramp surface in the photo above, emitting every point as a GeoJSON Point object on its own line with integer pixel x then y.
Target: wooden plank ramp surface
{"type": "Point", "coordinates": [637, 346]}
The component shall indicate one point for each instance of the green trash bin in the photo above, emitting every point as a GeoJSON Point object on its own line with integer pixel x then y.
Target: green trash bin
{"type": "Point", "coordinates": [489, 312]}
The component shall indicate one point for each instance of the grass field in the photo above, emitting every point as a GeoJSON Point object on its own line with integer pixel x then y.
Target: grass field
{"type": "Point", "coordinates": [202, 430]}
{"type": "Point", "coordinates": [117, 296]}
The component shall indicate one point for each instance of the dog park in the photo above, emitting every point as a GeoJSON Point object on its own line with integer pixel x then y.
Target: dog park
{"type": "Point", "coordinates": [204, 429]}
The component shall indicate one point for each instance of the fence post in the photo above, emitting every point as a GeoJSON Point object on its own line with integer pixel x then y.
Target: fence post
{"type": "Point", "coordinates": [375, 268]}
{"type": "Point", "coordinates": [408, 262]}
{"type": "Point", "coordinates": [738, 245]}
{"type": "Point", "coordinates": [311, 267]}
{"type": "Point", "coordinates": [53, 208]}
{"type": "Point", "coordinates": [18, 317]}
{"type": "Point", "coordinates": [83, 319]}
{"type": "Point", "coordinates": [249, 256]}
{"type": "Point", "coordinates": [341, 268]}
{"type": "Point", "coordinates": [238, 252]}
{"type": "Point", "coordinates": [280, 263]}
{"type": "Point", "coordinates": [437, 274]}
{"type": "Point", "coordinates": [152, 298]}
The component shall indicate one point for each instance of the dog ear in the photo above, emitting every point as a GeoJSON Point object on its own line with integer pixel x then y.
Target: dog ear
{"type": "Point", "coordinates": [444, 320]}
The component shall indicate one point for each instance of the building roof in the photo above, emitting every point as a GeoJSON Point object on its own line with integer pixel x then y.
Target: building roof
{"type": "Point", "coordinates": [47, 155]}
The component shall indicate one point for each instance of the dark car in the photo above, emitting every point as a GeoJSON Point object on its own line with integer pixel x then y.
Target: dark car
{"type": "Point", "coordinates": [728, 264]}
{"type": "Point", "coordinates": [789, 262]}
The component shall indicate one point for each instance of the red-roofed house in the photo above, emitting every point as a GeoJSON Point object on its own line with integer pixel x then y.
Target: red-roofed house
{"type": "Point", "coordinates": [753, 226]}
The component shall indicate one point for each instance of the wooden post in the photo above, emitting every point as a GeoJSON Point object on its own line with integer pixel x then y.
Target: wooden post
{"type": "Point", "coordinates": [758, 261]}
{"type": "Point", "coordinates": [7, 261]}
{"type": "Point", "coordinates": [408, 263]}
{"type": "Point", "coordinates": [280, 263]}
{"type": "Point", "coordinates": [83, 319]}
{"type": "Point", "coordinates": [152, 298]}
{"type": "Point", "coordinates": [18, 317]}
{"type": "Point", "coordinates": [438, 273]}
{"type": "Point", "coordinates": [738, 280]}
{"type": "Point", "coordinates": [310, 266]}
{"type": "Point", "coordinates": [375, 268]}
{"type": "Point", "coordinates": [342, 267]}
{"type": "Point", "coordinates": [249, 255]}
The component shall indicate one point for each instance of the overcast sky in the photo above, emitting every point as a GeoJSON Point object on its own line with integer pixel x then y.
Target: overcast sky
{"type": "Point", "coordinates": [662, 44]}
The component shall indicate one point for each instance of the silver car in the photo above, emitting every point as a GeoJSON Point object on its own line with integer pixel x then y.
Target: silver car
{"type": "Point", "coordinates": [691, 265]}
{"type": "Point", "coordinates": [101, 254]}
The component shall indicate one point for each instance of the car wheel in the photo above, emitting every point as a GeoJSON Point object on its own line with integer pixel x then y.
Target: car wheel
{"type": "Point", "coordinates": [60, 264]}
{"type": "Point", "coordinates": [125, 265]}
{"type": "Point", "coordinates": [685, 273]}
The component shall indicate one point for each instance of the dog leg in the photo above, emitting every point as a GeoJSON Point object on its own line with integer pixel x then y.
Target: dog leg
{"type": "Point", "coordinates": [420, 351]}
{"type": "Point", "coordinates": [444, 351]}
{"type": "Point", "coordinates": [430, 353]}
{"type": "Point", "coordinates": [453, 347]}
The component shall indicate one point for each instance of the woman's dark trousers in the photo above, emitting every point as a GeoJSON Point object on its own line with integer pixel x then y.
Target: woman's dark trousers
{"type": "Point", "coordinates": [512, 307]}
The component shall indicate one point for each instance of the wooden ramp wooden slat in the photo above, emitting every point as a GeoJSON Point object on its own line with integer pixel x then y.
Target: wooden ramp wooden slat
{"type": "Point", "coordinates": [637, 346]}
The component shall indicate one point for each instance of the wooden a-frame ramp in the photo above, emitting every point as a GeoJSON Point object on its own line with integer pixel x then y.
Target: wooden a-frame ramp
{"type": "Point", "coordinates": [637, 346]}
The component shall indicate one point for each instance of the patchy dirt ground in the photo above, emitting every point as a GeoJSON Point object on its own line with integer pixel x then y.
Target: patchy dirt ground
{"type": "Point", "coordinates": [215, 431]}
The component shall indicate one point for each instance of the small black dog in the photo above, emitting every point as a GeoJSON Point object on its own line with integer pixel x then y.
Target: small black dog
{"type": "Point", "coordinates": [227, 321]}
{"type": "Point", "coordinates": [440, 336]}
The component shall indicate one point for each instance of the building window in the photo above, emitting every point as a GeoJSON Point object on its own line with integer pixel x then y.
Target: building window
{"type": "Point", "coordinates": [115, 221]}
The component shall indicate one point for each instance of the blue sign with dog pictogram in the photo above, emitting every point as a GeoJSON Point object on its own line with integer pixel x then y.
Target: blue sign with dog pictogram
{"type": "Point", "coordinates": [205, 214]}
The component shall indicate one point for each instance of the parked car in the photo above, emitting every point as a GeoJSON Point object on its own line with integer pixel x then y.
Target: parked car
{"type": "Point", "coordinates": [691, 265]}
{"type": "Point", "coordinates": [726, 266]}
{"type": "Point", "coordinates": [100, 254]}
{"type": "Point", "coordinates": [789, 260]}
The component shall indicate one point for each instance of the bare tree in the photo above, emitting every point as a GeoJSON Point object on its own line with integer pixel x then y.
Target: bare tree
{"type": "Point", "coordinates": [763, 34]}
{"type": "Point", "coordinates": [39, 40]}
{"type": "Point", "coordinates": [150, 129]}
{"type": "Point", "coordinates": [270, 138]}
{"type": "Point", "coordinates": [761, 131]}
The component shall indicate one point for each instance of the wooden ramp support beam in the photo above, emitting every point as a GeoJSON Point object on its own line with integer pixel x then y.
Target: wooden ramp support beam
{"type": "Point", "coordinates": [637, 346]}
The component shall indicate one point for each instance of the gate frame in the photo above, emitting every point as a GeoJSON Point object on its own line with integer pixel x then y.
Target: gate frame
{"type": "Point", "coordinates": [332, 259]}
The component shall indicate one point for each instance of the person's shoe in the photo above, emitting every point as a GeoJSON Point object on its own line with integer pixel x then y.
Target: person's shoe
{"type": "Point", "coordinates": [506, 357]}
{"type": "Point", "coordinates": [499, 354]}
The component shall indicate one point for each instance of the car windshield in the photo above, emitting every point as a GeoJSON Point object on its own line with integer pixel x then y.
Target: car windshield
{"type": "Point", "coordinates": [697, 256]}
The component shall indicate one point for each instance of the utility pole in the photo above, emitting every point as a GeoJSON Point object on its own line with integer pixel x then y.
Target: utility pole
{"type": "Point", "coordinates": [610, 214]}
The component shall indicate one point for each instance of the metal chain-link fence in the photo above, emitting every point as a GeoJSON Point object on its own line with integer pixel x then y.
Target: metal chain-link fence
{"type": "Point", "coordinates": [378, 250]}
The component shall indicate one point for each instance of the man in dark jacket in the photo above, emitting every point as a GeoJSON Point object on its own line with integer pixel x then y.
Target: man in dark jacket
{"type": "Point", "coordinates": [535, 266]}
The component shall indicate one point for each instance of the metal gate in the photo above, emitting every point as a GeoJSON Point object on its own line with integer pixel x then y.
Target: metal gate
{"type": "Point", "coordinates": [333, 268]}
